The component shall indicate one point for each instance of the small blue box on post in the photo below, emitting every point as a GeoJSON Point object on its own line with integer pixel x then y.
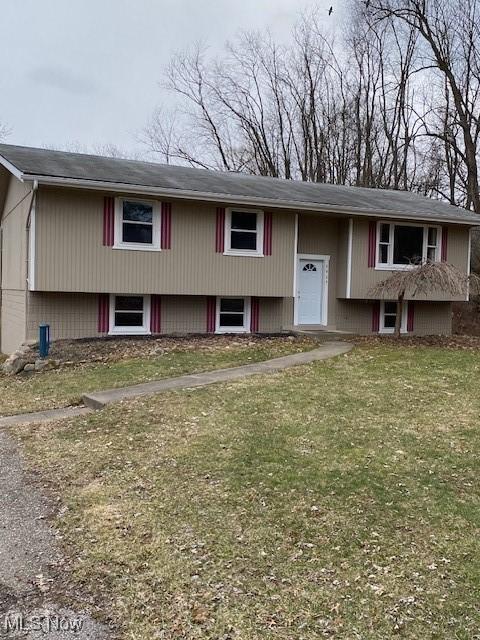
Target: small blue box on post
{"type": "Point", "coordinates": [44, 340]}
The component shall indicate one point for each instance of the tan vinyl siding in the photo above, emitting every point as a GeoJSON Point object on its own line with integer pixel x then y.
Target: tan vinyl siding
{"type": "Point", "coordinates": [75, 315]}
{"type": "Point", "coordinates": [354, 316]}
{"type": "Point", "coordinates": [69, 315]}
{"type": "Point", "coordinates": [270, 315]}
{"type": "Point", "coordinates": [430, 318]}
{"type": "Point", "coordinates": [318, 235]}
{"type": "Point", "coordinates": [188, 314]}
{"type": "Point", "coordinates": [13, 312]}
{"type": "Point", "coordinates": [184, 314]}
{"type": "Point", "coordinates": [363, 277]}
{"type": "Point", "coordinates": [16, 198]}
{"type": "Point", "coordinates": [288, 306]}
{"type": "Point", "coordinates": [342, 258]}
{"type": "Point", "coordinates": [14, 235]}
{"type": "Point", "coordinates": [70, 255]}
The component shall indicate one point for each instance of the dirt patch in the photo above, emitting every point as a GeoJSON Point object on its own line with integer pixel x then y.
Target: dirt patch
{"type": "Point", "coordinates": [116, 349]}
{"type": "Point", "coordinates": [464, 342]}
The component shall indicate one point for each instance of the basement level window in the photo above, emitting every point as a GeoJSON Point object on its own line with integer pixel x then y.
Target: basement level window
{"type": "Point", "coordinates": [130, 315]}
{"type": "Point", "coordinates": [244, 232]}
{"type": "Point", "coordinates": [137, 224]}
{"type": "Point", "coordinates": [233, 315]}
{"type": "Point", "coordinates": [402, 245]}
{"type": "Point", "coordinates": [388, 317]}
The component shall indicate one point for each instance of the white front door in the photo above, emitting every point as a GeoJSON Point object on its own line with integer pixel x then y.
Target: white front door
{"type": "Point", "coordinates": [310, 291]}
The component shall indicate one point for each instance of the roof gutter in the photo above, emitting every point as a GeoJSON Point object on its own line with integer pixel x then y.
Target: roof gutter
{"type": "Point", "coordinates": [184, 194]}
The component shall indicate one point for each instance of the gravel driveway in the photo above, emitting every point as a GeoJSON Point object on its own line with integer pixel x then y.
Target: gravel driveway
{"type": "Point", "coordinates": [31, 563]}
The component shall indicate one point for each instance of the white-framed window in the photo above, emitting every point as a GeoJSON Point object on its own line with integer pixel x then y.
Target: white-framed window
{"type": "Point", "coordinates": [401, 245]}
{"type": "Point", "coordinates": [244, 232]}
{"type": "Point", "coordinates": [129, 315]}
{"type": "Point", "coordinates": [433, 244]}
{"type": "Point", "coordinates": [388, 316]}
{"type": "Point", "coordinates": [137, 224]}
{"type": "Point", "coordinates": [233, 315]}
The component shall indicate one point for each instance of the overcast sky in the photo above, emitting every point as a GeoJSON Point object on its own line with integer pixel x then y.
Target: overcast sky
{"type": "Point", "coordinates": [87, 71]}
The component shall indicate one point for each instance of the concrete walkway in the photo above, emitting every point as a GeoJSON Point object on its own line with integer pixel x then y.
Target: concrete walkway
{"type": "Point", "coordinates": [43, 416]}
{"type": "Point", "coordinates": [32, 579]}
{"type": "Point", "coordinates": [98, 400]}
{"type": "Point", "coordinates": [328, 350]}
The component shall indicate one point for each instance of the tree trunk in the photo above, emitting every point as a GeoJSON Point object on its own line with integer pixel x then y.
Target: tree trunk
{"type": "Point", "coordinates": [398, 319]}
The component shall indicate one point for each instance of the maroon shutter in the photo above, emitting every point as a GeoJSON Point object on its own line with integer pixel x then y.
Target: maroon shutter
{"type": "Point", "coordinates": [444, 243]}
{"type": "Point", "coordinates": [166, 231]}
{"type": "Point", "coordinates": [376, 317]}
{"type": "Point", "coordinates": [108, 221]}
{"type": "Point", "coordinates": [220, 230]}
{"type": "Point", "coordinates": [211, 314]}
{"type": "Point", "coordinates": [103, 312]}
{"type": "Point", "coordinates": [267, 234]}
{"type": "Point", "coordinates": [155, 314]}
{"type": "Point", "coordinates": [372, 243]}
{"type": "Point", "coordinates": [254, 315]}
{"type": "Point", "coordinates": [410, 316]}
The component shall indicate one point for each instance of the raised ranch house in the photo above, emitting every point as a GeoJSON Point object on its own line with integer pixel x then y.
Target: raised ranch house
{"type": "Point", "coordinates": [97, 246]}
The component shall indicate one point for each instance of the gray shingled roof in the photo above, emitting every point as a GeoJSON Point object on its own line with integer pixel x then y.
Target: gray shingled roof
{"type": "Point", "coordinates": [46, 164]}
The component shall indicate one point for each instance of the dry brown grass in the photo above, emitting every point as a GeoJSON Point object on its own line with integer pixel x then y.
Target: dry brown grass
{"type": "Point", "coordinates": [107, 364]}
{"type": "Point", "coordinates": [339, 500]}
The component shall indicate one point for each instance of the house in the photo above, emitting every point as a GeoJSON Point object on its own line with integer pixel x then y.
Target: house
{"type": "Point", "coordinates": [97, 246]}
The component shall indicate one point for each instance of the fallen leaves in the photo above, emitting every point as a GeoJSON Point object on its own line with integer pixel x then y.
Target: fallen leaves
{"type": "Point", "coordinates": [212, 522]}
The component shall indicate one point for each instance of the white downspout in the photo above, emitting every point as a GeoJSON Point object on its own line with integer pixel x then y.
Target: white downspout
{"type": "Point", "coordinates": [30, 251]}
{"type": "Point", "coordinates": [30, 228]}
{"type": "Point", "coordinates": [348, 288]}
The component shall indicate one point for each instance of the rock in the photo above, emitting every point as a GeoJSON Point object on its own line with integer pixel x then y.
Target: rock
{"type": "Point", "coordinates": [46, 365]}
{"type": "Point", "coordinates": [7, 367]}
{"type": "Point", "coordinates": [14, 364]}
{"type": "Point", "coordinates": [17, 361]}
{"type": "Point", "coordinates": [29, 367]}
{"type": "Point", "coordinates": [23, 349]}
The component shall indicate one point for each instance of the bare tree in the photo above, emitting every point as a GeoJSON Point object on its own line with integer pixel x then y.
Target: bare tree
{"type": "Point", "coordinates": [312, 111]}
{"type": "Point", "coordinates": [431, 277]}
{"type": "Point", "coordinates": [160, 135]}
{"type": "Point", "coordinates": [108, 150]}
{"type": "Point", "coordinates": [4, 132]}
{"type": "Point", "coordinates": [450, 35]}
{"type": "Point", "coordinates": [391, 102]}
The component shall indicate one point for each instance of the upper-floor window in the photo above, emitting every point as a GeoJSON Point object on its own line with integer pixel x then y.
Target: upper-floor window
{"type": "Point", "coordinates": [244, 232]}
{"type": "Point", "coordinates": [137, 224]}
{"type": "Point", "coordinates": [400, 245]}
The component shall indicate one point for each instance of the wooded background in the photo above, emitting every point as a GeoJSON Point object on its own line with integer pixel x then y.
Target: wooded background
{"type": "Point", "coordinates": [391, 100]}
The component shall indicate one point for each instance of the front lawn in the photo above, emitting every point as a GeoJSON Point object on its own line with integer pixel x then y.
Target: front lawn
{"type": "Point", "coordinates": [339, 499]}
{"type": "Point", "coordinates": [109, 363]}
